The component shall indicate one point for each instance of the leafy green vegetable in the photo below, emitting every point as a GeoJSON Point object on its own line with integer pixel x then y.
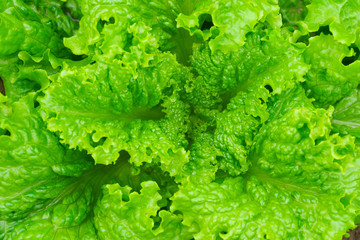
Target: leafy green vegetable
{"type": "Point", "coordinates": [128, 111]}
{"type": "Point", "coordinates": [125, 209]}
{"type": "Point", "coordinates": [153, 119]}
{"type": "Point", "coordinates": [329, 80]}
{"type": "Point", "coordinates": [252, 68]}
{"type": "Point", "coordinates": [231, 21]}
{"type": "Point", "coordinates": [347, 115]}
{"type": "Point", "coordinates": [342, 16]}
{"type": "Point", "coordinates": [31, 39]}
{"type": "Point", "coordinates": [291, 191]}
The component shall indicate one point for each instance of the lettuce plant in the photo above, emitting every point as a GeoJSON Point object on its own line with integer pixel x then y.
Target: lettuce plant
{"type": "Point", "coordinates": [179, 119]}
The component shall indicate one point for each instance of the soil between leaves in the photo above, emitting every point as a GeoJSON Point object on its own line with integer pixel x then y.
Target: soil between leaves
{"type": "Point", "coordinates": [354, 234]}
{"type": "Point", "coordinates": [2, 89]}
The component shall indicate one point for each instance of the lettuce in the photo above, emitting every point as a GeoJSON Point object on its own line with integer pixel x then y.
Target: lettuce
{"type": "Point", "coordinates": [179, 119]}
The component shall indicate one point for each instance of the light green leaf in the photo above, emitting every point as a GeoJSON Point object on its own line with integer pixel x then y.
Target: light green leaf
{"type": "Point", "coordinates": [47, 191]}
{"type": "Point", "coordinates": [202, 165]}
{"type": "Point", "coordinates": [31, 43]}
{"type": "Point", "coordinates": [293, 98]}
{"type": "Point", "coordinates": [346, 119]}
{"type": "Point", "coordinates": [297, 186]}
{"type": "Point", "coordinates": [167, 23]}
{"type": "Point", "coordinates": [179, 119]}
{"type": "Point", "coordinates": [32, 161]}
{"type": "Point", "coordinates": [342, 16]}
{"type": "Point", "coordinates": [41, 189]}
{"type": "Point", "coordinates": [236, 128]}
{"type": "Point", "coordinates": [108, 108]}
{"type": "Point", "coordinates": [41, 226]}
{"type": "Point", "coordinates": [328, 79]}
{"type": "Point", "coordinates": [226, 23]}
{"type": "Point", "coordinates": [267, 64]}
{"type": "Point", "coordinates": [125, 215]}
{"type": "Point", "coordinates": [20, 80]}
{"type": "Point", "coordinates": [19, 33]}
{"type": "Point", "coordinates": [127, 22]}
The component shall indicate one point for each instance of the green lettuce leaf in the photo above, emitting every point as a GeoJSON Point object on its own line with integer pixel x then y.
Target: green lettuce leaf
{"type": "Point", "coordinates": [329, 80]}
{"type": "Point", "coordinates": [226, 23]}
{"type": "Point", "coordinates": [290, 99]}
{"type": "Point", "coordinates": [129, 215]}
{"type": "Point", "coordinates": [150, 24]}
{"type": "Point", "coordinates": [35, 170]}
{"type": "Point", "coordinates": [343, 18]}
{"type": "Point", "coordinates": [346, 118]}
{"type": "Point", "coordinates": [203, 159]}
{"type": "Point", "coordinates": [167, 22]}
{"type": "Point", "coordinates": [295, 188]}
{"type": "Point", "coordinates": [31, 43]}
{"type": "Point", "coordinates": [32, 159]}
{"type": "Point", "coordinates": [236, 128]}
{"type": "Point", "coordinates": [179, 119]}
{"type": "Point", "coordinates": [24, 29]}
{"type": "Point", "coordinates": [108, 108]}
{"type": "Point", "coordinates": [267, 64]}
{"type": "Point", "coordinates": [48, 191]}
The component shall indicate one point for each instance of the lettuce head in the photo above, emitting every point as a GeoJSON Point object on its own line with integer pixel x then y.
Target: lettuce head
{"type": "Point", "coordinates": [179, 119]}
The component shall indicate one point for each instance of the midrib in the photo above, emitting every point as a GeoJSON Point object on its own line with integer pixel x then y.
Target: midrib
{"type": "Point", "coordinates": [45, 45]}
{"type": "Point", "coordinates": [143, 114]}
{"type": "Point", "coordinates": [188, 6]}
{"type": "Point", "coordinates": [347, 123]}
{"type": "Point", "coordinates": [264, 177]}
{"type": "Point", "coordinates": [108, 116]}
{"type": "Point", "coordinates": [95, 177]}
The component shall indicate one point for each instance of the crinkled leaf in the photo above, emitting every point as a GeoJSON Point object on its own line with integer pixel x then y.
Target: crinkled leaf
{"type": "Point", "coordinates": [194, 111]}
{"type": "Point", "coordinates": [22, 29]}
{"type": "Point", "coordinates": [329, 80]}
{"type": "Point", "coordinates": [115, 30]}
{"type": "Point", "coordinates": [41, 226]}
{"type": "Point", "coordinates": [346, 119]}
{"type": "Point", "coordinates": [46, 190]}
{"type": "Point", "coordinates": [36, 174]}
{"type": "Point", "coordinates": [293, 190]}
{"type": "Point", "coordinates": [226, 23]}
{"type": "Point", "coordinates": [20, 80]}
{"type": "Point", "coordinates": [166, 21]}
{"type": "Point", "coordinates": [106, 108]}
{"type": "Point", "coordinates": [236, 128]}
{"type": "Point", "coordinates": [343, 17]}
{"type": "Point", "coordinates": [202, 165]}
{"type": "Point", "coordinates": [129, 215]}
{"type": "Point", "coordinates": [267, 64]}
{"type": "Point", "coordinates": [30, 43]}
{"type": "Point", "coordinates": [32, 160]}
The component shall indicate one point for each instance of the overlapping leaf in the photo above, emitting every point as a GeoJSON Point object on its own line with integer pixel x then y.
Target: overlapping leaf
{"type": "Point", "coordinates": [328, 79]}
{"type": "Point", "coordinates": [125, 215]}
{"type": "Point", "coordinates": [185, 119]}
{"type": "Point", "coordinates": [31, 43]}
{"type": "Point", "coordinates": [342, 16]}
{"type": "Point", "coordinates": [35, 168]}
{"type": "Point", "coordinates": [267, 64]}
{"type": "Point", "coordinates": [346, 118]}
{"type": "Point", "coordinates": [293, 190]}
{"type": "Point", "coordinates": [107, 108]}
